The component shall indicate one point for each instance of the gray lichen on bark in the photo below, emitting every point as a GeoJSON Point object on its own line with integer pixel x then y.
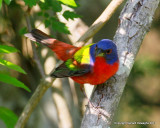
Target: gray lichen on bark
{"type": "Point", "coordinates": [134, 22]}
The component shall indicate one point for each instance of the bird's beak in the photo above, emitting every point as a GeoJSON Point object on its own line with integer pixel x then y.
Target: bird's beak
{"type": "Point", "coordinates": [99, 52]}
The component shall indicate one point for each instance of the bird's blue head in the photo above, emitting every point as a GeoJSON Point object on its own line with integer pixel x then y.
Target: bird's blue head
{"type": "Point", "coordinates": [105, 48]}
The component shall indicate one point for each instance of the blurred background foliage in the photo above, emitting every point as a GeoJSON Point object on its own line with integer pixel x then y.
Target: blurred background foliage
{"type": "Point", "coordinates": [63, 105]}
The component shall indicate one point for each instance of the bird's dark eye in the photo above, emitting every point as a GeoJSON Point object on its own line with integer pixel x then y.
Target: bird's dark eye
{"type": "Point", "coordinates": [109, 51]}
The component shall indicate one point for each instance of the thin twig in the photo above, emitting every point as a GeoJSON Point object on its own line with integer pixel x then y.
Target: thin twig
{"type": "Point", "coordinates": [101, 20]}
{"type": "Point", "coordinates": [35, 55]}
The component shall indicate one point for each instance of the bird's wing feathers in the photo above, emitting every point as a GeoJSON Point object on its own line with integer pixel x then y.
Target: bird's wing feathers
{"type": "Point", "coordinates": [69, 68]}
{"type": "Point", "coordinates": [76, 66]}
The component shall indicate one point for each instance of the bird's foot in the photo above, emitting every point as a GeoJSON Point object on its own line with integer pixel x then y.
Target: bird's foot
{"type": "Point", "coordinates": [96, 107]}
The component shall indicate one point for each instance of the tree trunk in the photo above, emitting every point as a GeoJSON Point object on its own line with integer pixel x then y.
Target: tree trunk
{"type": "Point", "coordinates": [134, 22]}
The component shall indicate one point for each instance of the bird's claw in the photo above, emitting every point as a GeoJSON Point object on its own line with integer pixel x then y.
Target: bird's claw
{"type": "Point", "coordinates": [93, 106]}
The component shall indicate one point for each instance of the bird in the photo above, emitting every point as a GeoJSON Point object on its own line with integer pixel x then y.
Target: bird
{"type": "Point", "coordinates": [91, 64]}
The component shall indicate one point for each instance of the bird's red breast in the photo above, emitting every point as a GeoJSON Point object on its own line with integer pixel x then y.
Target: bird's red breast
{"type": "Point", "coordinates": [100, 73]}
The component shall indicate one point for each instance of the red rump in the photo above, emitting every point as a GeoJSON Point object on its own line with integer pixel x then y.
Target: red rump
{"type": "Point", "coordinates": [63, 51]}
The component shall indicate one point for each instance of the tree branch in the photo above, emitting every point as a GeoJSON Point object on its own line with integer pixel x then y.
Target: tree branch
{"type": "Point", "coordinates": [101, 20]}
{"type": "Point", "coordinates": [135, 21]}
{"type": "Point", "coordinates": [36, 58]}
{"type": "Point", "coordinates": [34, 100]}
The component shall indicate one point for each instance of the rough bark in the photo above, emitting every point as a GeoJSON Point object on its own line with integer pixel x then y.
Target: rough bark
{"type": "Point", "coordinates": [134, 22]}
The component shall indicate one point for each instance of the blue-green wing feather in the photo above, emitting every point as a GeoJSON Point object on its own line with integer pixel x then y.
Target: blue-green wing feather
{"type": "Point", "coordinates": [77, 66]}
{"type": "Point", "coordinates": [64, 71]}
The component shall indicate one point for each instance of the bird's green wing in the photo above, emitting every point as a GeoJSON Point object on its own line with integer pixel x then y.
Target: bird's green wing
{"type": "Point", "coordinates": [68, 69]}
{"type": "Point", "coordinates": [76, 66]}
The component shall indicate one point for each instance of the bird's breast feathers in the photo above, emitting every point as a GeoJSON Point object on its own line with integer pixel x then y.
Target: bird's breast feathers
{"type": "Point", "coordinates": [101, 71]}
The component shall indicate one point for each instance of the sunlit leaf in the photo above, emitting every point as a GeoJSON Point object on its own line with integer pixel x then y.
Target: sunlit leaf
{"type": "Point", "coordinates": [30, 3]}
{"type": "Point", "coordinates": [70, 15]}
{"type": "Point", "coordinates": [71, 3]}
{"type": "Point", "coordinates": [8, 117]}
{"type": "Point", "coordinates": [0, 4]}
{"type": "Point", "coordinates": [11, 80]}
{"type": "Point", "coordinates": [7, 1]}
{"type": "Point", "coordinates": [7, 49]}
{"type": "Point", "coordinates": [61, 27]}
{"type": "Point", "coordinates": [42, 1]}
{"type": "Point", "coordinates": [12, 66]}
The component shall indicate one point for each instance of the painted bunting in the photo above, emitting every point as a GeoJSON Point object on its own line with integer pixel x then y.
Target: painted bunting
{"type": "Point", "coordinates": [93, 63]}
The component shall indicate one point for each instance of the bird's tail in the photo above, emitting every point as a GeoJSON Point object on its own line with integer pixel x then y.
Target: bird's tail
{"type": "Point", "coordinates": [40, 37]}
{"type": "Point", "coordinates": [63, 50]}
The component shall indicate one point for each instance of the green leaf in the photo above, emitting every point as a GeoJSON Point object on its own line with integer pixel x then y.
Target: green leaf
{"type": "Point", "coordinates": [23, 30]}
{"type": "Point", "coordinates": [7, 1]}
{"type": "Point", "coordinates": [70, 15]}
{"type": "Point", "coordinates": [30, 3]}
{"type": "Point", "coordinates": [0, 4]}
{"type": "Point", "coordinates": [43, 6]}
{"type": "Point", "coordinates": [71, 3]}
{"type": "Point", "coordinates": [56, 6]}
{"type": "Point", "coordinates": [46, 15]}
{"type": "Point", "coordinates": [53, 19]}
{"type": "Point", "coordinates": [47, 23]}
{"type": "Point", "coordinates": [8, 117]}
{"type": "Point", "coordinates": [11, 80]}
{"type": "Point", "coordinates": [7, 49]}
{"type": "Point", "coordinates": [42, 1]}
{"type": "Point", "coordinates": [12, 66]}
{"type": "Point", "coordinates": [40, 13]}
{"type": "Point", "coordinates": [61, 27]}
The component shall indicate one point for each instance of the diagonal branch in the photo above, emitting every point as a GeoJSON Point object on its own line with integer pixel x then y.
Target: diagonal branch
{"type": "Point", "coordinates": [135, 21]}
{"type": "Point", "coordinates": [34, 100]}
{"type": "Point", "coordinates": [101, 20]}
